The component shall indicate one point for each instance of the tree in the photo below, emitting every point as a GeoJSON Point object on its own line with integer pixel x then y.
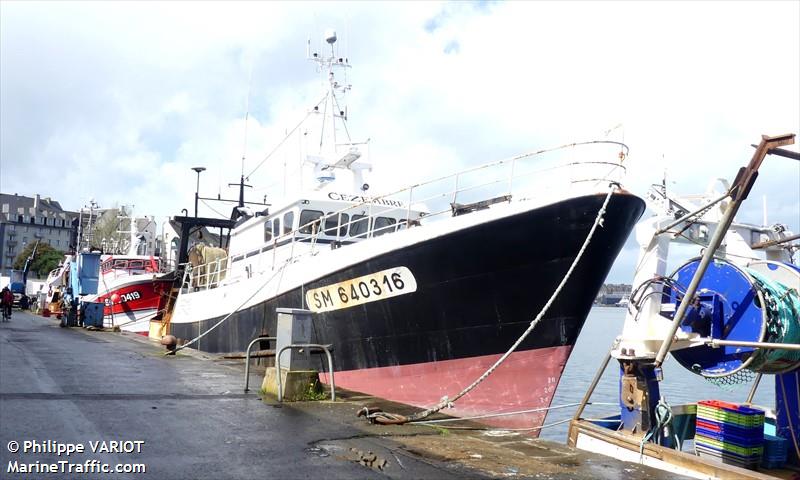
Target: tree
{"type": "Point", "coordinates": [46, 259]}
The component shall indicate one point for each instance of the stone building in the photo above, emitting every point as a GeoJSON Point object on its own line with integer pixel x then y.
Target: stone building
{"type": "Point", "coordinates": [24, 220]}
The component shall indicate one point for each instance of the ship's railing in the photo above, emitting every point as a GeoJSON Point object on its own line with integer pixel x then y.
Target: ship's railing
{"type": "Point", "coordinates": [523, 177]}
{"type": "Point", "coordinates": [220, 271]}
{"type": "Point", "coordinates": [204, 276]}
{"type": "Point", "coordinates": [115, 268]}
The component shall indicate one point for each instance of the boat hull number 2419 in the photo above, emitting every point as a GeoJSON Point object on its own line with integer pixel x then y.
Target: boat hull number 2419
{"type": "Point", "coordinates": [369, 288]}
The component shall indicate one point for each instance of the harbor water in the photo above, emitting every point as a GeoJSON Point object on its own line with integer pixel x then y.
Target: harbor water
{"type": "Point", "coordinates": [679, 385]}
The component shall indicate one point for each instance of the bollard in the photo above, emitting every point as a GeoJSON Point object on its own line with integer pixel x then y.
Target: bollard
{"type": "Point", "coordinates": [170, 342]}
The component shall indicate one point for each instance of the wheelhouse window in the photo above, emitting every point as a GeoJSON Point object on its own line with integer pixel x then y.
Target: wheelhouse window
{"type": "Point", "coordinates": [288, 222]}
{"type": "Point", "coordinates": [359, 226]}
{"type": "Point", "coordinates": [268, 230]}
{"type": "Point", "coordinates": [384, 225]}
{"type": "Point", "coordinates": [309, 221]}
{"type": "Point", "coordinates": [276, 227]}
{"type": "Point", "coordinates": [336, 221]}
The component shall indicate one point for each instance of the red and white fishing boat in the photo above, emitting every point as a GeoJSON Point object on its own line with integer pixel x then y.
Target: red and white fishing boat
{"type": "Point", "coordinates": [133, 289]}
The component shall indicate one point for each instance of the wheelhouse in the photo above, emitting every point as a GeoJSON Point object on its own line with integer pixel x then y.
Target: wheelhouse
{"type": "Point", "coordinates": [130, 265]}
{"type": "Point", "coordinates": [333, 219]}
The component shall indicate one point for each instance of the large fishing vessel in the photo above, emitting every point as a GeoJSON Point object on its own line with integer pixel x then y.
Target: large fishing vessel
{"type": "Point", "coordinates": [422, 289]}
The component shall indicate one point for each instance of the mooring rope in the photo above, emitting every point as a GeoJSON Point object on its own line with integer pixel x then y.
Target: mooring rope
{"type": "Point", "coordinates": [377, 416]}
{"type": "Point", "coordinates": [516, 412]}
{"type": "Point", "coordinates": [663, 417]}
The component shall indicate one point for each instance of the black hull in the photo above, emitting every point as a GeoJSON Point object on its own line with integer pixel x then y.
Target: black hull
{"type": "Point", "coordinates": [477, 291]}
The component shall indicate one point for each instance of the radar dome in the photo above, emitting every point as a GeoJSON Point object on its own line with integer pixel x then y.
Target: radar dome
{"type": "Point", "coordinates": [330, 36]}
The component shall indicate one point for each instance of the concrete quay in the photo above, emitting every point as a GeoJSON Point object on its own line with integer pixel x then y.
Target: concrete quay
{"type": "Point", "coordinates": [186, 417]}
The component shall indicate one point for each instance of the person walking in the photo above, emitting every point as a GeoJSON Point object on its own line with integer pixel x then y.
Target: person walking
{"type": "Point", "coordinates": [24, 302]}
{"type": "Point", "coordinates": [6, 301]}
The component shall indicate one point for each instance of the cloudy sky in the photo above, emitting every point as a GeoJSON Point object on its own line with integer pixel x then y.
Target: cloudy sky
{"type": "Point", "coordinates": [117, 101]}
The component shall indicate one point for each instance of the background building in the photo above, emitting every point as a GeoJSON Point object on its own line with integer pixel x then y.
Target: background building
{"type": "Point", "coordinates": [613, 294]}
{"type": "Point", "coordinates": [169, 241]}
{"type": "Point", "coordinates": [114, 233]}
{"type": "Point", "coordinates": [26, 219]}
{"type": "Point", "coordinates": [146, 237]}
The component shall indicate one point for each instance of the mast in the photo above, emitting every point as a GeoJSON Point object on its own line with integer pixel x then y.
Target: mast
{"type": "Point", "coordinates": [329, 158]}
{"type": "Point", "coordinates": [330, 110]}
{"type": "Point", "coordinates": [134, 244]}
{"type": "Point", "coordinates": [236, 210]}
{"type": "Point", "coordinates": [241, 191]}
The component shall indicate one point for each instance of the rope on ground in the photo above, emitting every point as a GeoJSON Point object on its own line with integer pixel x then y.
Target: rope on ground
{"type": "Point", "coordinates": [226, 317]}
{"type": "Point", "coordinates": [384, 418]}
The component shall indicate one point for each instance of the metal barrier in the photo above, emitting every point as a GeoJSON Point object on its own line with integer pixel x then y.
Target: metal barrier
{"type": "Point", "coordinates": [325, 348]}
{"type": "Point", "coordinates": [247, 360]}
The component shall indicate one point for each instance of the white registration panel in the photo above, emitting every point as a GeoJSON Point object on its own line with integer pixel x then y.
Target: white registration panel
{"type": "Point", "coordinates": [369, 288]}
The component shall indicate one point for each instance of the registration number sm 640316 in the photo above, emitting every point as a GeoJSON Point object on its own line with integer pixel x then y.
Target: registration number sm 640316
{"type": "Point", "coordinates": [369, 288]}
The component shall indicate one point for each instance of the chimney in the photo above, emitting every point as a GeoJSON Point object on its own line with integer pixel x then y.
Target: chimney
{"type": "Point", "coordinates": [36, 202]}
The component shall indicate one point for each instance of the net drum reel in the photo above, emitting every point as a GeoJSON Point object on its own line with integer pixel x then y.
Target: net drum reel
{"type": "Point", "coordinates": [760, 303]}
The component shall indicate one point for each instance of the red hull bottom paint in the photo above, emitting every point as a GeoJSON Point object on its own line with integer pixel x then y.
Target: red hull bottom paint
{"type": "Point", "coordinates": [526, 380]}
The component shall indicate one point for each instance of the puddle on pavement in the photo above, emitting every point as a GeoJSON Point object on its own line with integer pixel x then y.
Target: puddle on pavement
{"type": "Point", "coordinates": [366, 458]}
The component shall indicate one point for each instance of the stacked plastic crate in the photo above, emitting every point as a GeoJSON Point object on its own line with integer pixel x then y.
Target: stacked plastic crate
{"type": "Point", "coordinates": [730, 433]}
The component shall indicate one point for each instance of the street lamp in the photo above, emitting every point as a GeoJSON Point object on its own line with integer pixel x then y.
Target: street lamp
{"type": "Point", "coordinates": [197, 191]}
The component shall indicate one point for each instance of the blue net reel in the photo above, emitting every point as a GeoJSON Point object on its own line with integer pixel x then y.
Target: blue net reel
{"type": "Point", "coordinates": [760, 303]}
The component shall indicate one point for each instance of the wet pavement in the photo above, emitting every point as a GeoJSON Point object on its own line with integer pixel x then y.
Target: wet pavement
{"type": "Point", "coordinates": [187, 417]}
